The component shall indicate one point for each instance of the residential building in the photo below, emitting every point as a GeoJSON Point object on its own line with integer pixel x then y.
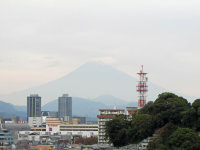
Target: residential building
{"type": "Point", "coordinates": [33, 106]}
{"type": "Point", "coordinates": [131, 110]}
{"type": "Point", "coordinates": [65, 108]}
{"type": "Point", "coordinates": [104, 116]}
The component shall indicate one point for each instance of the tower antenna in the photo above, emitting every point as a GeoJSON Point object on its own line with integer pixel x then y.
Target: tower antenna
{"type": "Point", "coordinates": [142, 88]}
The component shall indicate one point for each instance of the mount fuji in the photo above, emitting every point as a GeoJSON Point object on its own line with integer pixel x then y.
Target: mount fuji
{"type": "Point", "coordinates": [89, 81]}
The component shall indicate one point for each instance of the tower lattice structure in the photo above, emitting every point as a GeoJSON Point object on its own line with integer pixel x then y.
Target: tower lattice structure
{"type": "Point", "coordinates": [142, 88]}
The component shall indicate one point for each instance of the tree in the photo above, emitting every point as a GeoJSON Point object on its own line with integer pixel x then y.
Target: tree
{"type": "Point", "coordinates": [141, 127]}
{"type": "Point", "coordinates": [170, 107]}
{"type": "Point", "coordinates": [196, 104]}
{"type": "Point", "coordinates": [189, 118]}
{"type": "Point", "coordinates": [196, 116]}
{"type": "Point", "coordinates": [166, 114]}
{"type": "Point", "coordinates": [184, 138]}
{"type": "Point", "coordinates": [116, 131]}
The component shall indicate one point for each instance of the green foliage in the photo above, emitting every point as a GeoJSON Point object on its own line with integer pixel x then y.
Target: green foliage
{"type": "Point", "coordinates": [168, 129]}
{"type": "Point", "coordinates": [196, 104]}
{"type": "Point", "coordinates": [116, 131]}
{"type": "Point", "coordinates": [184, 138]}
{"type": "Point", "coordinates": [189, 118]}
{"type": "Point", "coordinates": [167, 113]}
{"type": "Point", "coordinates": [141, 127]}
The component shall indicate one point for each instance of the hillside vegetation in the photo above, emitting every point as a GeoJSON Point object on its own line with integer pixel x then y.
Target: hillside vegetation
{"type": "Point", "coordinates": [177, 120]}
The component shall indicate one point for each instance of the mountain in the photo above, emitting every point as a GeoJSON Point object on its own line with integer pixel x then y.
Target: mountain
{"type": "Point", "coordinates": [89, 108]}
{"type": "Point", "coordinates": [8, 110]}
{"type": "Point", "coordinates": [110, 100]}
{"type": "Point", "coordinates": [88, 81]}
{"type": "Point", "coordinates": [80, 107]}
{"type": "Point", "coordinates": [20, 108]}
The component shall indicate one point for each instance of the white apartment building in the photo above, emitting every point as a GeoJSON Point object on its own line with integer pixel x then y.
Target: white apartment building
{"type": "Point", "coordinates": [104, 116]}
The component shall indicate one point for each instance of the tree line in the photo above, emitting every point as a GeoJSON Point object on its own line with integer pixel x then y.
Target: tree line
{"type": "Point", "coordinates": [173, 118]}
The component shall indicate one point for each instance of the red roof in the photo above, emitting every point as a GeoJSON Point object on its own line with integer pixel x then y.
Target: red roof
{"type": "Point", "coordinates": [111, 109]}
{"type": "Point", "coordinates": [106, 116]}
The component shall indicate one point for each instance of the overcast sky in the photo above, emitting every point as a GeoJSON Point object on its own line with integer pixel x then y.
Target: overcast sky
{"type": "Point", "coordinates": [42, 40]}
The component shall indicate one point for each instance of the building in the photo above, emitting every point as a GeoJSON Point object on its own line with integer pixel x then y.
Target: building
{"type": "Point", "coordinates": [33, 106]}
{"type": "Point", "coordinates": [50, 113]}
{"type": "Point", "coordinates": [56, 126]}
{"type": "Point", "coordinates": [35, 121]}
{"type": "Point", "coordinates": [83, 130]}
{"type": "Point", "coordinates": [6, 139]}
{"type": "Point", "coordinates": [65, 108]}
{"type": "Point", "coordinates": [131, 110]}
{"type": "Point", "coordinates": [52, 124]}
{"type": "Point", "coordinates": [79, 120]}
{"type": "Point", "coordinates": [46, 114]}
{"type": "Point", "coordinates": [104, 116]}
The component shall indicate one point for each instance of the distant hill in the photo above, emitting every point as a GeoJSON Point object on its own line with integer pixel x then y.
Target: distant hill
{"type": "Point", "coordinates": [88, 81]}
{"type": "Point", "coordinates": [110, 100]}
{"type": "Point", "coordinates": [90, 108]}
{"type": "Point", "coordinates": [80, 107]}
{"type": "Point", "coordinates": [8, 110]}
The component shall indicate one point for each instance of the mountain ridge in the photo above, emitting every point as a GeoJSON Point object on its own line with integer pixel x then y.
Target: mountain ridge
{"type": "Point", "coordinates": [88, 81]}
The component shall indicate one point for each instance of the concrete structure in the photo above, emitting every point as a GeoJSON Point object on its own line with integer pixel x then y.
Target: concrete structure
{"type": "Point", "coordinates": [6, 138]}
{"type": "Point", "coordinates": [65, 108]}
{"type": "Point", "coordinates": [83, 130]}
{"type": "Point", "coordinates": [17, 127]}
{"type": "Point", "coordinates": [33, 106]}
{"type": "Point", "coordinates": [130, 111]}
{"type": "Point", "coordinates": [46, 114]}
{"type": "Point", "coordinates": [35, 121]}
{"type": "Point", "coordinates": [56, 126]}
{"type": "Point", "coordinates": [50, 113]}
{"type": "Point", "coordinates": [52, 124]}
{"type": "Point", "coordinates": [79, 120]}
{"type": "Point", "coordinates": [104, 116]}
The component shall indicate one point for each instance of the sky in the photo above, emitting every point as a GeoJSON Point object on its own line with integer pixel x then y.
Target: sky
{"type": "Point", "coordinates": [43, 40]}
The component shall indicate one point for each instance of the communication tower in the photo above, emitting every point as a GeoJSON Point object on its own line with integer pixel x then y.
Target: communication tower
{"type": "Point", "coordinates": [142, 88]}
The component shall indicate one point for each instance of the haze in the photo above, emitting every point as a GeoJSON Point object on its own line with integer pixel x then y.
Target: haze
{"type": "Point", "coordinates": [43, 40]}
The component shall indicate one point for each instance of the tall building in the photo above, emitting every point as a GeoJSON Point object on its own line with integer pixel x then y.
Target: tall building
{"type": "Point", "coordinates": [104, 116]}
{"type": "Point", "coordinates": [65, 108]}
{"type": "Point", "coordinates": [33, 105]}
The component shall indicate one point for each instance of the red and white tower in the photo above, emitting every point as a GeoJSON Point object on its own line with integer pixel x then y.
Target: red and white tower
{"type": "Point", "coordinates": [142, 88]}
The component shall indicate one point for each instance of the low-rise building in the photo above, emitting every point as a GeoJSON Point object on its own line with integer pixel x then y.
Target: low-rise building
{"type": "Point", "coordinates": [83, 130]}
{"type": "Point", "coordinates": [6, 138]}
{"type": "Point", "coordinates": [35, 121]}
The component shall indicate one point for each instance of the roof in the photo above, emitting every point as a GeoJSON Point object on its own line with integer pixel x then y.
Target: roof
{"type": "Point", "coordinates": [111, 109]}
{"type": "Point", "coordinates": [106, 116]}
{"type": "Point", "coordinates": [41, 147]}
{"type": "Point", "coordinates": [131, 107]}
